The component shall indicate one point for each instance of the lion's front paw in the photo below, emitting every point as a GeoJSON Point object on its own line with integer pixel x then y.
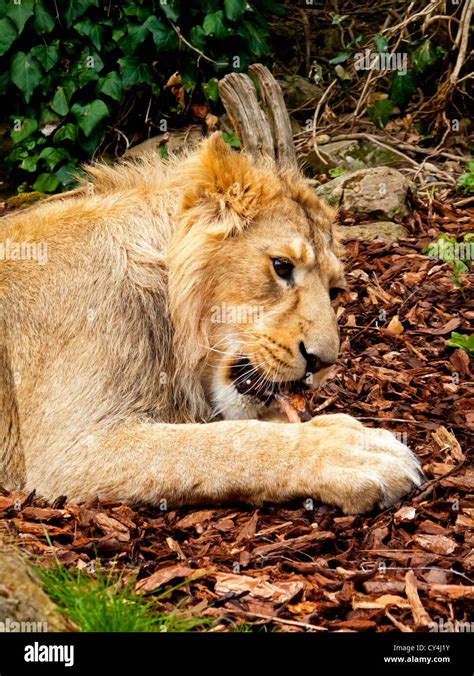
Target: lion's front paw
{"type": "Point", "coordinates": [364, 468]}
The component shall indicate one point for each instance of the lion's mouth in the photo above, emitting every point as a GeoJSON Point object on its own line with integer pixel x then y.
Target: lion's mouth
{"type": "Point", "coordinates": [252, 383]}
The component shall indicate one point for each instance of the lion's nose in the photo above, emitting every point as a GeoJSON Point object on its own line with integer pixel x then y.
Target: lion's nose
{"type": "Point", "coordinates": [313, 362]}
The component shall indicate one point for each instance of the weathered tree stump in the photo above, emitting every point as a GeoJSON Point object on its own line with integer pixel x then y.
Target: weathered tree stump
{"type": "Point", "coordinates": [263, 130]}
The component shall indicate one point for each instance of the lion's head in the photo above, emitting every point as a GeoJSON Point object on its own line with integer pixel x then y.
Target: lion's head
{"type": "Point", "coordinates": [254, 279]}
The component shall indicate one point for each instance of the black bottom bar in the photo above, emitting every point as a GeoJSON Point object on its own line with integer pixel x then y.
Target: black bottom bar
{"type": "Point", "coordinates": [135, 654]}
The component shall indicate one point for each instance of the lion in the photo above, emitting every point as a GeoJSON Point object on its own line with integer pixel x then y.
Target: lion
{"type": "Point", "coordinates": [140, 361]}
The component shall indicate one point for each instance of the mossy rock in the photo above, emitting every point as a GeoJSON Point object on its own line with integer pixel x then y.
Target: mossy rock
{"type": "Point", "coordinates": [25, 199]}
{"type": "Point", "coordinates": [381, 192]}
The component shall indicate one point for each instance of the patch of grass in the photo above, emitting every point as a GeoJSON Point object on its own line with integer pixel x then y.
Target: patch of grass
{"type": "Point", "coordinates": [250, 628]}
{"type": "Point", "coordinates": [106, 602]}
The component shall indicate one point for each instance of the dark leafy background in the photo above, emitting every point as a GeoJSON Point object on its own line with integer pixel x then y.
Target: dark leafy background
{"type": "Point", "coordinates": [73, 72]}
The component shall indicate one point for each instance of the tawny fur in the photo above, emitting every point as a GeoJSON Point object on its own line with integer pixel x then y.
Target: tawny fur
{"type": "Point", "coordinates": [111, 366]}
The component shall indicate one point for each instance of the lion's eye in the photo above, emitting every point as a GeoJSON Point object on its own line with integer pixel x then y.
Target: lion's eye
{"type": "Point", "coordinates": [283, 268]}
{"type": "Point", "coordinates": [335, 292]}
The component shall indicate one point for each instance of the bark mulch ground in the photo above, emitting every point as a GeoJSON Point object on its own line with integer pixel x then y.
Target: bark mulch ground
{"type": "Point", "coordinates": [303, 567]}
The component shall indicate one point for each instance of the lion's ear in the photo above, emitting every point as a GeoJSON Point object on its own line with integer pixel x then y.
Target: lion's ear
{"type": "Point", "coordinates": [225, 188]}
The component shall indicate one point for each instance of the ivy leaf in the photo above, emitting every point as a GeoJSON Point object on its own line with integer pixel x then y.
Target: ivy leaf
{"type": "Point", "coordinates": [214, 25]}
{"type": "Point", "coordinates": [8, 35]}
{"type": "Point", "coordinates": [274, 8]}
{"type": "Point", "coordinates": [142, 13]}
{"type": "Point", "coordinates": [255, 39]}
{"type": "Point", "coordinates": [111, 85]}
{"type": "Point", "coordinates": [380, 112]}
{"type": "Point", "coordinates": [403, 88]}
{"type": "Point", "coordinates": [89, 144]}
{"type": "Point", "coordinates": [69, 87]}
{"type": "Point", "coordinates": [211, 89]}
{"type": "Point", "coordinates": [53, 156]}
{"type": "Point", "coordinates": [87, 68]}
{"type": "Point", "coordinates": [29, 163]}
{"type": "Point", "coordinates": [25, 73]}
{"type": "Point", "coordinates": [22, 128]}
{"type": "Point", "coordinates": [136, 35]}
{"type": "Point", "coordinates": [20, 13]}
{"type": "Point", "coordinates": [381, 43]}
{"type": "Point", "coordinates": [197, 37]}
{"type": "Point", "coordinates": [340, 58]}
{"type": "Point", "coordinates": [90, 115]}
{"type": "Point", "coordinates": [118, 33]}
{"type": "Point", "coordinates": [234, 9]}
{"type": "Point", "coordinates": [76, 8]}
{"type": "Point", "coordinates": [423, 57]}
{"type": "Point", "coordinates": [47, 56]}
{"type": "Point", "coordinates": [67, 175]}
{"type": "Point", "coordinates": [168, 9]}
{"type": "Point", "coordinates": [92, 30]}
{"type": "Point", "coordinates": [44, 21]}
{"type": "Point", "coordinates": [59, 103]}
{"type": "Point", "coordinates": [47, 83]}
{"type": "Point", "coordinates": [164, 38]}
{"type": "Point", "coordinates": [66, 133]}
{"type": "Point", "coordinates": [46, 183]}
{"type": "Point", "coordinates": [134, 71]}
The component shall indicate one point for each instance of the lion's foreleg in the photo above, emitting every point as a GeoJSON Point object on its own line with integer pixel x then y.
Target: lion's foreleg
{"type": "Point", "coordinates": [332, 458]}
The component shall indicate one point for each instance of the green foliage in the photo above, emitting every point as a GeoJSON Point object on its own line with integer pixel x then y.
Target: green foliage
{"type": "Point", "coordinates": [232, 139]}
{"type": "Point", "coordinates": [466, 181]}
{"type": "Point", "coordinates": [79, 74]}
{"type": "Point", "coordinates": [462, 341]}
{"type": "Point", "coordinates": [403, 88]}
{"type": "Point", "coordinates": [404, 82]}
{"type": "Point", "coordinates": [340, 58]}
{"type": "Point", "coordinates": [335, 172]}
{"type": "Point", "coordinates": [380, 112]}
{"type": "Point", "coordinates": [107, 602]}
{"type": "Point", "coordinates": [381, 43]}
{"type": "Point", "coordinates": [456, 254]}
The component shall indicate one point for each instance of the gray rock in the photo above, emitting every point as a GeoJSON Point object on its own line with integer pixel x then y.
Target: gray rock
{"type": "Point", "coordinates": [299, 92]}
{"type": "Point", "coordinates": [350, 156]}
{"type": "Point", "coordinates": [380, 231]}
{"type": "Point", "coordinates": [381, 191]}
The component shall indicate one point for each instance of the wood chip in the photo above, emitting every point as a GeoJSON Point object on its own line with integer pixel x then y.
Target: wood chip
{"type": "Point", "coordinates": [438, 544]}
{"type": "Point", "coordinates": [280, 592]}
{"type": "Point", "coordinates": [421, 617]}
{"type": "Point", "coordinates": [161, 577]}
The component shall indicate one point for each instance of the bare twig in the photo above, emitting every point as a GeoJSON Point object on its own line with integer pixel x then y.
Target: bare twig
{"type": "Point", "coordinates": [272, 618]}
{"type": "Point", "coordinates": [315, 119]}
{"type": "Point", "coordinates": [463, 32]}
{"type": "Point", "coordinates": [195, 49]}
{"type": "Point", "coordinates": [307, 41]}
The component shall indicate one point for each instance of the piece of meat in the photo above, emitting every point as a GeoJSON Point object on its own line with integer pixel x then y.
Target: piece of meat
{"type": "Point", "coordinates": [295, 406]}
